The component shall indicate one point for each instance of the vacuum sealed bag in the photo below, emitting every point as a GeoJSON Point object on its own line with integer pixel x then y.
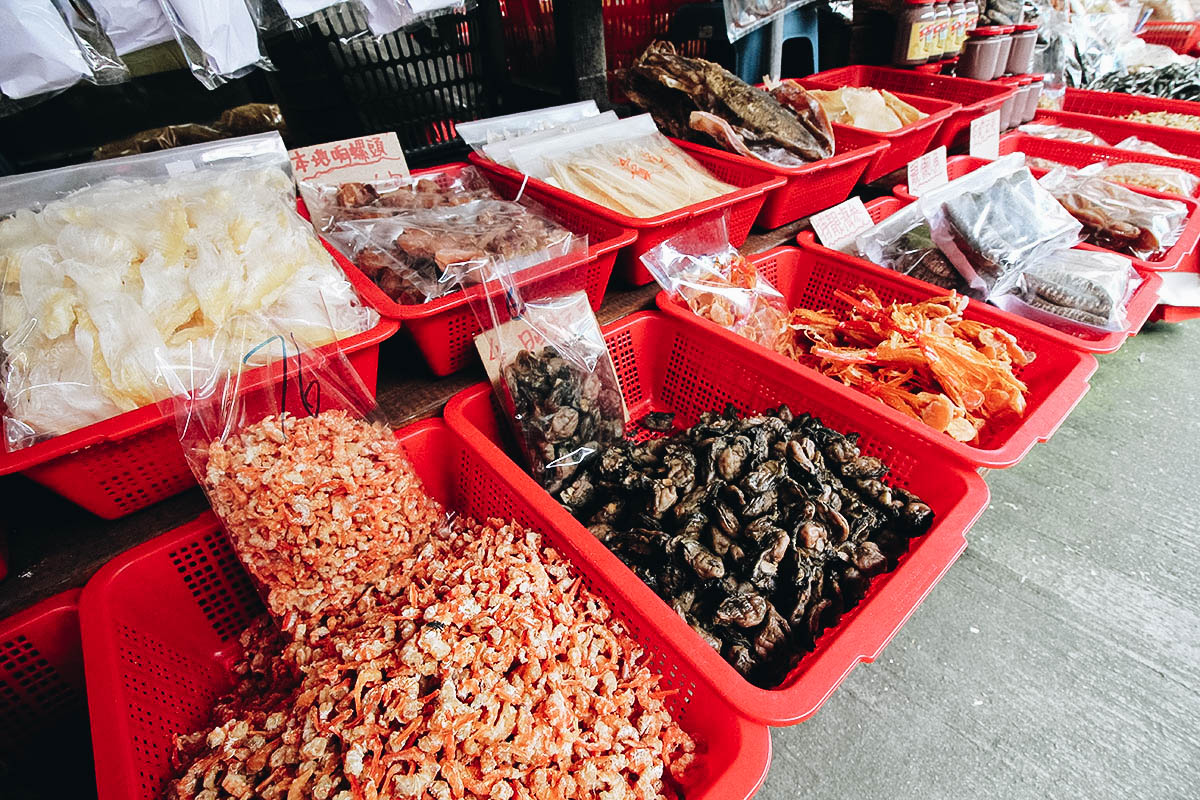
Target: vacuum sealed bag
{"type": "Point", "coordinates": [1157, 177]}
{"type": "Point", "coordinates": [106, 263]}
{"type": "Point", "coordinates": [996, 220]}
{"type": "Point", "coordinates": [627, 166]}
{"type": "Point", "coordinates": [903, 242]}
{"type": "Point", "coordinates": [1075, 289]}
{"type": "Point", "coordinates": [701, 267]}
{"type": "Point", "coordinates": [1115, 217]}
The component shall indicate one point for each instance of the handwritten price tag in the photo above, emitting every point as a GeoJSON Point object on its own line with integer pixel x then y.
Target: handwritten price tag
{"type": "Point", "coordinates": [837, 227]}
{"type": "Point", "coordinates": [365, 159]}
{"type": "Point", "coordinates": [985, 136]}
{"type": "Point", "coordinates": [927, 172]}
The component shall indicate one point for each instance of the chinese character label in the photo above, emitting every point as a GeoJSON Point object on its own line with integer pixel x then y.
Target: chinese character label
{"type": "Point", "coordinates": [927, 172]}
{"type": "Point", "coordinates": [366, 159]}
{"type": "Point", "coordinates": [837, 227]}
{"type": "Point", "coordinates": [985, 136]}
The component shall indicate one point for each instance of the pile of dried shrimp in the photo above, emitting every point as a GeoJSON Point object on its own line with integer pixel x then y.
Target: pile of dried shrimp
{"type": "Point", "coordinates": [443, 659]}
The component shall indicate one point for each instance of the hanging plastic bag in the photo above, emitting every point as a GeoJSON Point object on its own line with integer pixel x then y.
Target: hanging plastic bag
{"type": "Point", "coordinates": [1117, 218]}
{"type": "Point", "coordinates": [219, 38]}
{"type": "Point", "coordinates": [996, 220]}
{"type": "Point", "coordinates": [627, 166]}
{"type": "Point", "coordinates": [700, 267]}
{"type": "Point", "coordinates": [1156, 177]}
{"type": "Point", "coordinates": [903, 242]}
{"type": "Point", "coordinates": [133, 24]}
{"type": "Point", "coordinates": [1075, 290]}
{"type": "Point", "coordinates": [744, 16]}
{"type": "Point", "coordinates": [549, 367]}
{"type": "Point", "coordinates": [105, 262]}
{"type": "Point", "coordinates": [48, 45]}
{"type": "Point", "coordinates": [478, 133]}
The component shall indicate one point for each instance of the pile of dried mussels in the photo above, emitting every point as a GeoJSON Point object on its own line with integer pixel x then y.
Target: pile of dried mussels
{"type": "Point", "coordinates": [761, 531]}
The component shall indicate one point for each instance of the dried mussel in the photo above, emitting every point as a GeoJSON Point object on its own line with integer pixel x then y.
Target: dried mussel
{"type": "Point", "coordinates": [564, 414]}
{"type": "Point", "coordinates": [760, 530]}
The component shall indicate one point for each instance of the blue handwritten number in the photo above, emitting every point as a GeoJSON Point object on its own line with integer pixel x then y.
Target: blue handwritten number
{"type": "Point", "coordinates": [310, 392]}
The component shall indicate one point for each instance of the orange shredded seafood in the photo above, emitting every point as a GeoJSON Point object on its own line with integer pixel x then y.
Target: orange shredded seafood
{"type": "Point", "coordinates": [923, 359]}
{"type": "Point", "coordinates": [479, 666]}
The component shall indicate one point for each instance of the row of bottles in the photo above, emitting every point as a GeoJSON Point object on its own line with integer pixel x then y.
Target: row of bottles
{"type": "Point", "coordinates": [932, 30]}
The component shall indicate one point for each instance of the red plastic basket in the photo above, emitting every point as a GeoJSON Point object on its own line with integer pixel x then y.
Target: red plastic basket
{"type": "Point", "coordinates": [1175, 314]}
{"type": "Point", "coordinates": [1137, 311]}
{"type": "Point", "coordinates": [1182, 37]}
{"type": "Point", "coordinates": [667, 364]}
{"type": "Point", "coordinates": [41, 668]}
{"type": "Point", "coordinates": [1057, 378]}
{"type": "Point", "coordinates": [1183, 143]}
{"type": "Point", "coordinates": [739, 208]}
{"type": "Point", "coordinates": [904, 144]}
{"type": "Point", "coordinates": [118, 466]}
{"type": "Point", "coordinates": [444, 329]}
{"type": "Point", "coordinates": [812, 187]}
{"type": "Point", "coordinates": [1118, 104]}
{"type": "Point", "coordinates": [160, 626]}
{"type": "Point", "coordinates": [976, 98]}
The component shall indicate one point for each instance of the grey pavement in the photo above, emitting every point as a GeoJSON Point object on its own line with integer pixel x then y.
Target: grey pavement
{"type": "Point", "coordinates": [1060, 657]}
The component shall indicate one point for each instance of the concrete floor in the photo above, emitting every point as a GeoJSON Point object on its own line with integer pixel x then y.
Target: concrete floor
{"type": "Point", "coordinates": [1060, 657]}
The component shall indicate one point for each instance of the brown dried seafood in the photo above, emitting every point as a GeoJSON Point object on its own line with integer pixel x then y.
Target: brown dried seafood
{"type": "Point", "coordinates": [691, 98]}
{"type": "Point", "coordinates": [563, 413]}
{"type": "Point", "coordinates": [385, 198]}
{"type": "Point", "coordinates": [760, 531]}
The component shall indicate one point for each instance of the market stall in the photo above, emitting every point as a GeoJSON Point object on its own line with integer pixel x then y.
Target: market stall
{"type": "Point", "coordinates": [588, 456]}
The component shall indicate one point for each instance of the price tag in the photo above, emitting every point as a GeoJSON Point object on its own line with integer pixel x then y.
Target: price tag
{"type": "Point", "coordinates": [985, 136]}
{"type": "Point", "coordinates": [927, 172]}
{"type": "Point", "coordinates": [837, 227]}
{"type": "Point", "coordinates": [365, 159]}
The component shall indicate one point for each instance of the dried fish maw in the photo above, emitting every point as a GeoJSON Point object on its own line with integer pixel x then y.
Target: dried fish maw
{"type": "Point", "coordinates": [908, 114]}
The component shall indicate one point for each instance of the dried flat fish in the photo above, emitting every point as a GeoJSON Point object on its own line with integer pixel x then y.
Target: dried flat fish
{"type": "Point", "coordinates": [672, 87]}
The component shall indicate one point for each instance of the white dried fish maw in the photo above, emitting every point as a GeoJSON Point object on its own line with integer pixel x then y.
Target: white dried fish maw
{"type": "Point", "coordinates": [868, 109]}
{"type": "Point", "coordinates": [905, 112]}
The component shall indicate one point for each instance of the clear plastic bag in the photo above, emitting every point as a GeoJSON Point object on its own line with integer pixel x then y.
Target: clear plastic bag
{"type": "Point", "coordinates": [701, 267]}
{"type": "Point", "coordinates": [1075, 290]}
{"type": "Point", "coordinates": [1157, 177]}
{"type": "Point", "coordinates": [219, 38]}
{"type": "Point", "coordinates": [105, 263]}
{"type": "Point", "coordinates": [627, 166]}
{"type": "Point", "coordinates": [903, 242]}
{"type": "Point", "coordinates": [1117, 218]}
{"type": "Point", "coordinates": [419, 256]}
{"type": "Point", "coordinates": [49, 45]}
{"type": "Point", "coordinates": [133, 24]}
{"type": "Point", "coordinates": [478, 133]}
{"type": "Point", "coordinates": [744, 16]}
{"type": "Point", "coordinates": [550, 370]}
{"type": "Point", "coordinates": [1062, 133]}
{"type": "Point", "coordinates": [501, 151]}
{"type": "Point", "coordinates": [1142, 146]}
{"type": "Point", "coordinates": [996, 220]}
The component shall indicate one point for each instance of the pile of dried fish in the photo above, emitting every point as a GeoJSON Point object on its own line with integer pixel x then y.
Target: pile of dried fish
{"type": "Point", "coordinates": [1167, 119]}
{"type": "Point", "coordinates": [695, 99]}
{"type": "Point", "coordinates": [760, 531]}
{"type": "Point", "coordinates": [1173, 81]}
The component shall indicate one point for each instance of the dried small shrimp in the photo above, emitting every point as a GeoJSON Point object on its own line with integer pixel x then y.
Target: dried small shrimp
{"type": "Point", "coordinates": [479, 666]}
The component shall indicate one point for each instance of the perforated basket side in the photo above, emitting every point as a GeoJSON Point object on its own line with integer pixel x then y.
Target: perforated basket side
{"type": "Point", "coordinates": [41, 668]}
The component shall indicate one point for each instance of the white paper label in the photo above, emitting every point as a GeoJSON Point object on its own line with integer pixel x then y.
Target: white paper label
{"type": "Point", "coordinates": [927, 172]}
{"type": "Point", "coordinates": [837, 227]}
{"type": "Point", "coordinates": [365, 159]}
{"type": "Point", "coordinates": [985, 136]}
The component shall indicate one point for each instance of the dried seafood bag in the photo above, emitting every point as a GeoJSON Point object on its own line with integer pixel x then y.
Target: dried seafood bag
{"type": "Point", "coordinates": [903, 242]}
{"type": "Point", "coordinates": [1115, 217]}
{"type": "Point", "coordinates": [49, 45]}
{"type": "Point", "coordinates": [1083, 289]}
{"type": "Point", "coordinates": [550, 370]}
{"type": "Point", "coordinates": [479, 133]}
{"type": "Point", "coordinates": [996, 220]}
{"type": "Point", "coordinates": [627, 166]}
{"type": "Point", "coordinates": [105, 263]}
{"type": "Point", "coordinates": [219, 38]}
{"type": "Point", "coordinates": [1062, 133]}
{"type": "Point", "coordinates": [1156, 177]}
{"type": "Point", "coordinates": [500, 151]}
{"type": "Point", "coordinates": [415, 237]}
{"type": "Point", "coordinates": [700, 267]}
{"type": "Point", "coordinates": [1143, 146]}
